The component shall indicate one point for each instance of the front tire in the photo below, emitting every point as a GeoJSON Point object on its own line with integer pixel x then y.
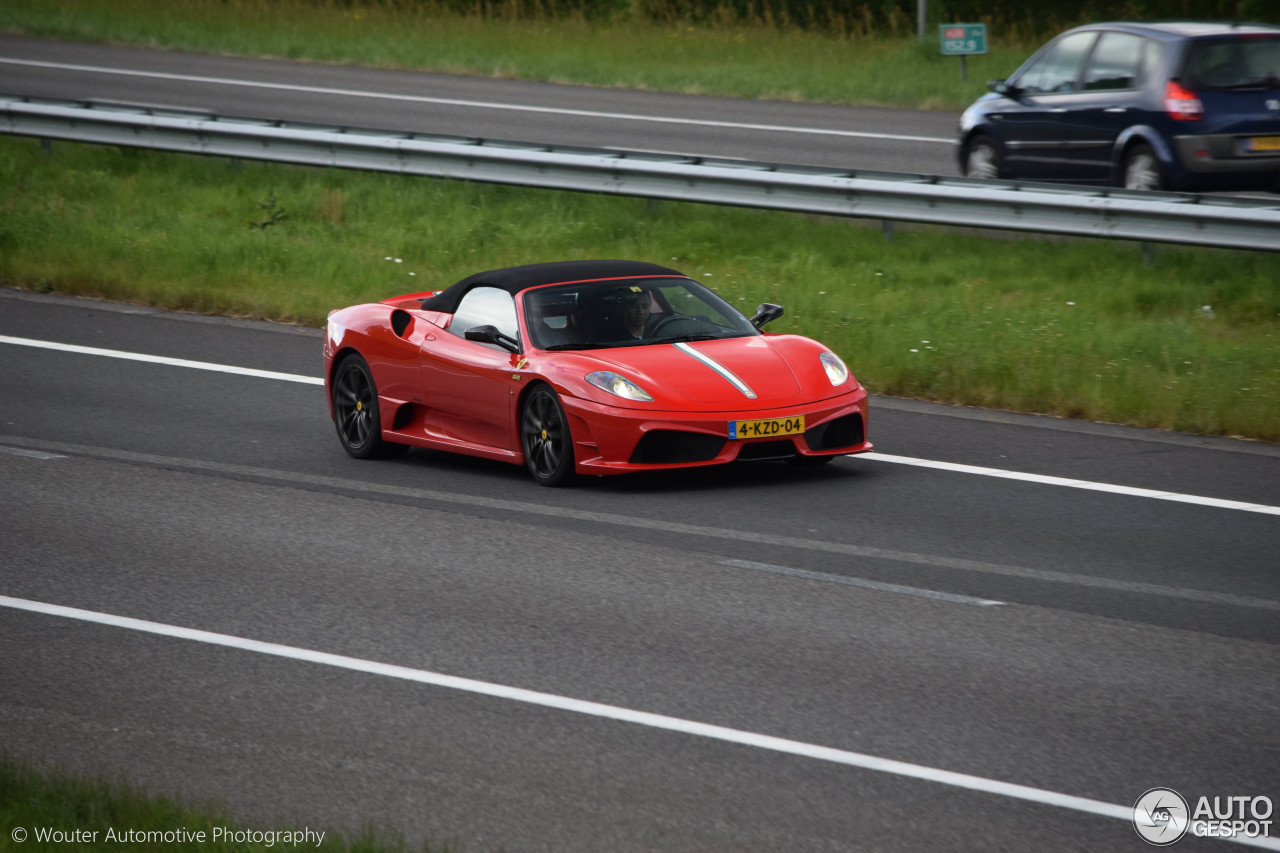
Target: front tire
{"type": "Point", "coordinates": [355, 409]}
{"type": "Point", "coordinates": [1141, 169]}
{"type": "Point", "coordinates": [982, 160]}
{"type": "Point", "coordinates": [544, 435]}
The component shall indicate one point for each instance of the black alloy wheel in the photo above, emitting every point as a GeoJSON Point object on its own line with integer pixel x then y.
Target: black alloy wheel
{"type": "Point", "coordinates": [355, 409]}
{"type": "Point", "coordinates": [544, 433]}
{"type": "Point", "coordinates": [1141, 169]}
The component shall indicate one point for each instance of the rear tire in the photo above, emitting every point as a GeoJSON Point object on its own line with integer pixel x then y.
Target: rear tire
{"type": "Point", "coordinates": [355, 410]}
{"type": "Point", "coordinates": [1141, 169]}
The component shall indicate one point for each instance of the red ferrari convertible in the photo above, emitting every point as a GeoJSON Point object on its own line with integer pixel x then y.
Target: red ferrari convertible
{"type": "Point", "coordinates": [585, 367]}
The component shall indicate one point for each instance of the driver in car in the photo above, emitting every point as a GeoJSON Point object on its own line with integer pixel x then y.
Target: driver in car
{"type": "Point", "coordinates": [636, 314]}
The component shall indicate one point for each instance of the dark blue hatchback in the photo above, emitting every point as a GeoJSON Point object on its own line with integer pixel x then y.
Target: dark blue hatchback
{"type": "Point", "coordinates": [1179, 106]}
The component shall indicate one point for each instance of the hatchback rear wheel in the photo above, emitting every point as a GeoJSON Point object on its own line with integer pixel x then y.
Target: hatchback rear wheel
{"type": "Point", "coordinates": [1141, 169]}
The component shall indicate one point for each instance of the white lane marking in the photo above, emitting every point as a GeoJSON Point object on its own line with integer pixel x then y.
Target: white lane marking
{"type": "Point", "coordinates": [862, 582]}
{"type": "Point", "coordinates": [719, 368]}
{"type": "Point", "coordinates": [486, 105]}
{"type": "Point", "coordinates": [580, 706]}
{"type": "Point", "coordinates": [29, 454]}
{"type": "Point", "coordinates": [1067, 482]}
{"type": "Point", "coordinates": [160, 359]}
{"type": "Point", "coordinates": [664, 526]}
{"type": "Point", "coordinates": [1042, 479]}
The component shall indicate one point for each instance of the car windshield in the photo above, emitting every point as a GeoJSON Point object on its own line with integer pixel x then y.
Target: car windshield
{"type": "Point", "coordinates": [635, 312]}
{"type": "Point", "coordinates": [1243, 62]}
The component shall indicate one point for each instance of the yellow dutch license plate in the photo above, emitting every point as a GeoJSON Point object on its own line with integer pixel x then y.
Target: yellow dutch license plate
{"type": "Point", "coordinates": [1264, 143]}
{"type": "Point", "coordinates": [767, 428]}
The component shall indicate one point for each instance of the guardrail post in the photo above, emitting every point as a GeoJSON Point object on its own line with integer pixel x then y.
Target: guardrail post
{"type": "Point", "coordinates": [886, 228]}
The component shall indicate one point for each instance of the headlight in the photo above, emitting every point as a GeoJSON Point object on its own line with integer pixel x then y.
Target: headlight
{"type": "Point", "coordinates": [836, 371]}
{"type": "Point", "coordinates": [620, 386]}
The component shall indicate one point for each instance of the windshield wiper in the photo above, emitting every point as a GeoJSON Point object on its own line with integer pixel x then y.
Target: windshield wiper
{"type": "Point", "coordinates": [684, 339]}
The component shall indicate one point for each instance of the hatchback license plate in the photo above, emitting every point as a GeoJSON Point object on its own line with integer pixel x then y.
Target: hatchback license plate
{"type": "Point", "coordinates": [767, 428]}
{"type": "Point", "coordinates": [1264, 143]}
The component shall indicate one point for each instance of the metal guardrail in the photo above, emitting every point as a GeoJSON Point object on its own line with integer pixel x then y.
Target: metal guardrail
{"type": "Point", "coordinates": [1220, 221]}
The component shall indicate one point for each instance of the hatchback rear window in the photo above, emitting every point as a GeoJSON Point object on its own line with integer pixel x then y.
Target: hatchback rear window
{"type": "Point", "coordinates": [1251, 62]}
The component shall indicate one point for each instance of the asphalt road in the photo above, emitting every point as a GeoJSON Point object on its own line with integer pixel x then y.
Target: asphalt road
{"type": "Point", "coordinates": [1134, 645]}
{"type": "Point", "coordinates": [1010, 642]}
{"type": "Point", "coordinates": [806, 134]}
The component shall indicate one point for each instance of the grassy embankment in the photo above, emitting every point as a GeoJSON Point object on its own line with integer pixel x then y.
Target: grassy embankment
{"type": "Point", "coordinates": [1075, 328]}
{"type": "Point", "coordinates": [35, 803]}
{"type": "Point", "coordinates": [740, 60]}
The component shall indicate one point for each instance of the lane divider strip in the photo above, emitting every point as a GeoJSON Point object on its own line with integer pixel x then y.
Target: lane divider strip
{"type": "Point", "coordinates": [292, 479]}
{"type": "Point", "coordinates": [875, 456]}
{"type": "Point", "coordinates": [161, 359]}
{"type": "Point", "coordinates": [865, 583]}
{"type": "Point", "coordinates": [594, 709]}
{"type": "Point", "coordinates": [1067, 482]}
{"type": "Point", "coordinates": [612, 712]}
{"type": "Point", "coordinates": [487, 105]}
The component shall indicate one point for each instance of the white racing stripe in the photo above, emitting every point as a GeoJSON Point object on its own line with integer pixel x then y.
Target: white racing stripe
{"type": "Point", "coordinates": [484, 105]}
{"type": "Point", "coordinates": [719, 368]}
{"type": "Point", "coordinates": [1041, 479]}
{"type": "Point", "coordinates": [594, 709]}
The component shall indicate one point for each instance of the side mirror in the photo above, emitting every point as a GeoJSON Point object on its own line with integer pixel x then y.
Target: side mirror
{"type": "Point", "coordinates": [1000, 87]}
{"type": "Point", "coordinates": [766, 313]}
{"type": "Point", "coordinates": [491, 335]}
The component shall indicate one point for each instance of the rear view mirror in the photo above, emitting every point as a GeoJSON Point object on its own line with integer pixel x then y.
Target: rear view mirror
{"type": "Point", "coordinates": [766, 313]}
{"type": "Point", "coordinates": [491, 335]}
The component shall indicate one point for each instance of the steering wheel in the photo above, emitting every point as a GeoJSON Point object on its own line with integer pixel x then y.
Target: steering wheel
{"type": "Point", "coordinates": [664, 321]}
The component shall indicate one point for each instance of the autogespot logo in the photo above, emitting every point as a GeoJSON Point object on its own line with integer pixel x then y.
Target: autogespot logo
{"type": "Point", "coordinates": [1160, 816]}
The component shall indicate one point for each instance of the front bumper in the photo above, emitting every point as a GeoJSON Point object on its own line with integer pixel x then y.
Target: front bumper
{"type": "Point", "coordinates": [611, 440]}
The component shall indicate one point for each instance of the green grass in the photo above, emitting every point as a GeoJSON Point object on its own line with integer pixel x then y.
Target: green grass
{"type": "Point", "coordinates": [95, 813]}
{"type": "Point", "coordinates": [1076, 328]}
{"type": "Point", "coordinates": [749, 61]}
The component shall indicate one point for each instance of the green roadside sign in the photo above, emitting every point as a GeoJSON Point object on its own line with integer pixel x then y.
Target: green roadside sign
{"type": "Point", "coordinates": [962, 39]}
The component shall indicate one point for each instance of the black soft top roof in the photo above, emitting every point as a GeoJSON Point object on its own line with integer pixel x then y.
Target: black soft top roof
{"type": "Point", "coordinates": [515, 279]}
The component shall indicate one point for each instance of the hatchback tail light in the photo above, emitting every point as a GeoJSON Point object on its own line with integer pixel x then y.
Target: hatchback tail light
{"type": "Point", "coordinates": [1181, 103]}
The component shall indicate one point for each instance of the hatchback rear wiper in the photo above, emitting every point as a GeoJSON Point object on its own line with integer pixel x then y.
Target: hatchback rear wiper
{"type": "Point", "coordinates": [1258, 84]}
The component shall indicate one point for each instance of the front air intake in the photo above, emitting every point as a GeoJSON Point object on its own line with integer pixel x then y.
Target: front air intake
{"type": "Point", "coordinates": [845, 431]}
{"type": "Point", "coordinates": [669, 447]}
